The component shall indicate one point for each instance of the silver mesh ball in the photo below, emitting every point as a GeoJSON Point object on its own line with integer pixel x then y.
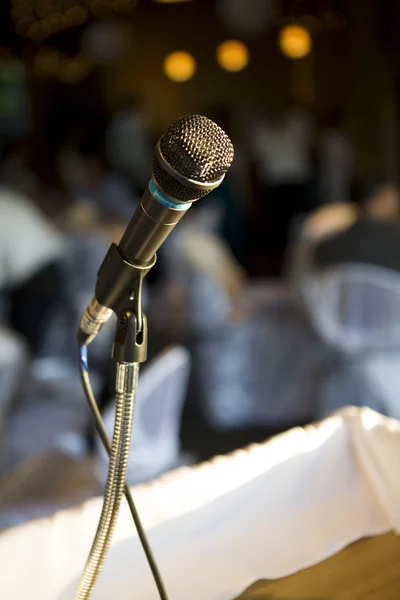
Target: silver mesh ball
{"type": "Point", "coordinates": [198, 149]}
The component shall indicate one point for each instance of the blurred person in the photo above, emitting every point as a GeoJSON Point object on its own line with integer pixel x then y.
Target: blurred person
{"type": "Point", "coordinates": [367, 241]}
{"type": "Point", "coordinates": [129, 146]}
{"type": "Point", "coordinates": [103, 201]}
{"type": "Point", "coordinates": [98, 194]}
{"type": "Point", "coordinates": [372, 237]}
{"type": "Point", "coordinates": [336, 162]}
{"type": "Point", "coordinates": [282, 150]}
{"type": "Point", "coordinates": [329, 220]}
{"type": "Point", "coordinates": [30, 250]}
{"type": "Point", "coordinates": [345, 277]}
{"type": "Point", "coordinates": [27, 165]}
{"type": "Point", "coordinates": [15, 170]}
{"type": "Point", "coordinates": [350, 231]}
{"type": "Point", "coordinates": [233, 194]}
{"type": "Point", "coordinates": [382, 203]}
{"type": "Point", "coordinates": [324, 222]}
{"type": "Point", "coordinates": [350, 290]}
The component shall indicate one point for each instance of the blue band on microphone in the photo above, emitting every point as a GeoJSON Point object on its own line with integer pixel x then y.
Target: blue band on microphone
{"type": "Point", "coordinates": [165, 201]}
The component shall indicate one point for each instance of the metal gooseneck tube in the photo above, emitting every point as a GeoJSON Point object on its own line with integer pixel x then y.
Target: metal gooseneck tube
{"type": "Point", "coordinates": [129, 350]}
{"type": "Point", "coordinates": [126, 383]}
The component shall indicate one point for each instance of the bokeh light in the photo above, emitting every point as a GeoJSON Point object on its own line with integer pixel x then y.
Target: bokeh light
{"type": "Point", "coordinates": [179, 66]}
{"type": "Point", "coordinates": [232, 55]}
{"type": "Point", "coordinates": [51, 63]}
{"type": "Point", "coordinates": [42, 18]}
{"type": "Point", "coordinates": [74, 70]}
{"type": "Point", "coordinates": [47, 62]}
{"type": "Point", "coordinates": [295, 41]}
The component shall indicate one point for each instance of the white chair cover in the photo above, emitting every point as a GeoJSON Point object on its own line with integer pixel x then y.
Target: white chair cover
{"type": "Point", "coordinates": [13, 361]}
{"type": "Point", "coordinates": [79, 266]}
{"type": "Point", "coordinates": [355, 309]}
{"type": "Point", "coordinates": [257, 371]}
{"type": "Point", "coordinates": [51, 415]}
{"type": "Point", "coordinates": [159, 402]}
{"type": "Point", "coordinates": [254, 353]}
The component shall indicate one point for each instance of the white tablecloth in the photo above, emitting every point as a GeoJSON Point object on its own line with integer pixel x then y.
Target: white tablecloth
{"type": "Point", "coordinates": [263, 512]}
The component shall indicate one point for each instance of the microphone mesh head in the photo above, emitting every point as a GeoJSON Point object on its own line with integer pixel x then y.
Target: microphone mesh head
{"type": "Point", "coordinates": [198, 149]}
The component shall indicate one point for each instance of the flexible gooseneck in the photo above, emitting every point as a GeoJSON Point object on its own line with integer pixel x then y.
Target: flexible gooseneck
{"type": "Point", "coordinates": [87, 387]}
{"type": "Point", "coordinates": [126, 385]}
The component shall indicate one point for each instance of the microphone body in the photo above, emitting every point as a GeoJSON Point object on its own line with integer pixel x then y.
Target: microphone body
{"type": "Point", "coordinates": [150, 225]}
{"type": "Point", "coordinates": [191, 160]}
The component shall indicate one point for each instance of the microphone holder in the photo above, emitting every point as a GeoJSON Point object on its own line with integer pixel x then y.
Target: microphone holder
{"type": "Point", "coordinates": [131, 335]}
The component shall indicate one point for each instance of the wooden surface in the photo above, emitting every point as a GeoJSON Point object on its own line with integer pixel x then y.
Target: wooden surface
{"type": "Point", "coordinates": [44, 485]}
{"type": "Point", "coordinates": [366, 570]}
{"type": "Point", "coordinates": [55, 478]}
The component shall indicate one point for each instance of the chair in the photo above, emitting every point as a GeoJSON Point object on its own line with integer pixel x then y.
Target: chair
{"type": "Point", "coordinates": [245, 336]}
{"type": "Point", "coordinates": [79, 267]}
{"type": "Point", "coordinates": [159, 402]}
{"type": "Point", "coordinates": [13, 360]}
{"type": "Point", "coordinates": [245, 345]}
{"type": "Point", "coordinates": [355, 310]}
{"type": "Point", "coordinates": [51, 415]}
{"type": "Point", "coordinates": [257, 372]}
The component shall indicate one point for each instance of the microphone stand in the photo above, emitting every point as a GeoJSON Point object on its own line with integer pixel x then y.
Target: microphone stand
{"type": "Point", "coordinates": [129, 350]}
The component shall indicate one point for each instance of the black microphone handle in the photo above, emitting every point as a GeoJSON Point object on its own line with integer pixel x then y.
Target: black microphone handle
{"type": "Point", "coordinates": [125, 265]}
{"type": "Point", "coordinates": [150, 225]}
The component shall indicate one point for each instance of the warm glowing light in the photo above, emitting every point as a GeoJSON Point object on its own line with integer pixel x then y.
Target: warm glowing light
{"type": "Point", "coordinates": [39, 31]}
{"type": "Point", "coordinates": [179, 66]}
{"type": "Point", "coordinates": [47, 62]}
{"type": "Point", "coordinates": [74, 70]}
{"type": "Point", "coordinates": [42, 18]}
{"type": "Point", "coordinates": [295, 41]}
{"type": "Point", "coordinates": [232, 55]}
{"type": "Point", "coordinates": [74, 17]}
{"type": "Point", "coordinates": [52, 63]}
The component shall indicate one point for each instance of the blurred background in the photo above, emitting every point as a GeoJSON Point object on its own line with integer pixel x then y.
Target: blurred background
{"type": "Point", "coordinates": [273, 303]}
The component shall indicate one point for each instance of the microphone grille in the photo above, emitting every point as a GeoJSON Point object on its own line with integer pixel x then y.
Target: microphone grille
{"type": "Point", "coordinates": [198, 149]}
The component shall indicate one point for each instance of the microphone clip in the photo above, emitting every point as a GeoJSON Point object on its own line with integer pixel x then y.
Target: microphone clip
{"type": "Point", "coordinates": [130, 343]}
{"type": "Point", "coordinates": [119, 290]}
{"type": "Point", "coordinates": [131, 334]}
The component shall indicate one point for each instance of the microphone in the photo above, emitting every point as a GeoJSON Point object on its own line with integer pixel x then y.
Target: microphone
{"type": "Point", "coordinates": [191, 160]}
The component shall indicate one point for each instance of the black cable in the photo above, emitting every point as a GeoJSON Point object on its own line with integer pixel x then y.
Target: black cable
{"type": "Point", "coordinates": [87, 387]}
